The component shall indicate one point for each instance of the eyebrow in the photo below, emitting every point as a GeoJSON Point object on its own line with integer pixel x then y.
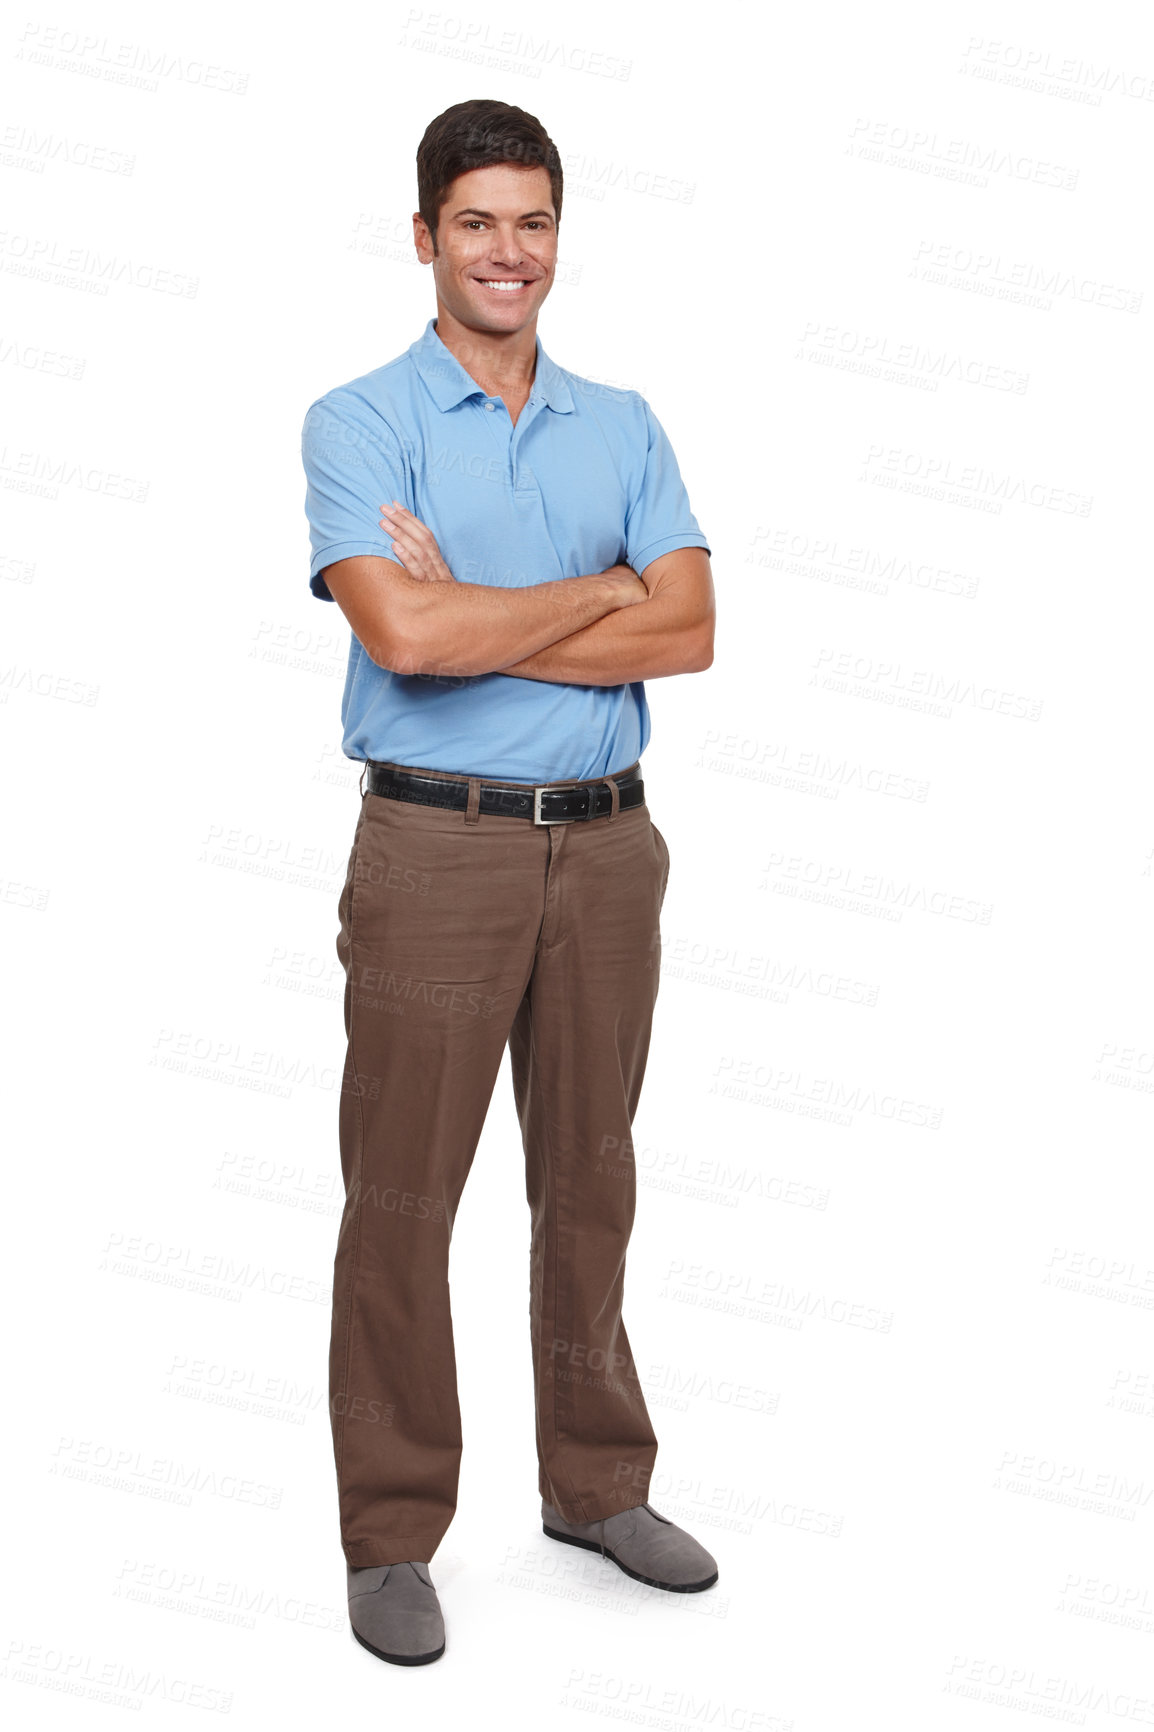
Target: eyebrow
{"type": "Point", "coordinates": [470, 211]}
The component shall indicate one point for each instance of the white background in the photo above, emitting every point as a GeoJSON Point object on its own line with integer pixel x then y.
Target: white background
{"type": "Point", "coordinates": [884, 275]}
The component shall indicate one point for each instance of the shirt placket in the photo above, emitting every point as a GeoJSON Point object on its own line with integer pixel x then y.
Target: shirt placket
{"type": "Point", "coordinates": [518, 475]}
{"type": "Point", "coordinates": [521, 477]}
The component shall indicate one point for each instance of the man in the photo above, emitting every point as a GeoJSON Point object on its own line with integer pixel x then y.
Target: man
{"type": "Point", "coordinates": [514, 550]}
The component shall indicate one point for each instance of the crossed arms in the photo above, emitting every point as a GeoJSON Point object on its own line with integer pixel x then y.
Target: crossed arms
{"type": "Point", "coordinates": [606, 629]}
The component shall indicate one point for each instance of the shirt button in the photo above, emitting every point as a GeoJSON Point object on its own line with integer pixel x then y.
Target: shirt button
{"type": "Point", "coordinates": [490, 405]}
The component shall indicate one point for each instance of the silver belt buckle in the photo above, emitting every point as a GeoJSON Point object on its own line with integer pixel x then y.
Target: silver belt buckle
{"type": "Point", "coordinates": [537, 818]}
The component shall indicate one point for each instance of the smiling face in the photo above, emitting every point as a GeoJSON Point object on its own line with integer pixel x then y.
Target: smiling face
{"type": "Point", "coordinates": [496, 247]}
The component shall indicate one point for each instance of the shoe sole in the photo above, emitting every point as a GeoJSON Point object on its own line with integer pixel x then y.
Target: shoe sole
{"type": "Point", "coordinates": [650, 1581]}
{"type": "Point", "coordinates": [400, 1659]}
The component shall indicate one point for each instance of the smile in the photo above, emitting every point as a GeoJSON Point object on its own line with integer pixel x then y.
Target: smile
{"type": "Point", "coordinates": [504, 287]}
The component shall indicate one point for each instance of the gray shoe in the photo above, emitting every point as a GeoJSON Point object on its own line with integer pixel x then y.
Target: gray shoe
{"type": "Point", "coordinates": [647, 1546]}
{"type": "Point", "coordinates": [395, 1613]}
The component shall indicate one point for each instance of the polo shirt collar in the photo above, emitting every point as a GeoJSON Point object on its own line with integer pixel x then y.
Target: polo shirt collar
{"type": "Point", "coordinates": [449, 384]}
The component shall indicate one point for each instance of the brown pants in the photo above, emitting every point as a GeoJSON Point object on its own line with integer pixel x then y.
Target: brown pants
{"type": "Point", "coordinates": [461, 932]}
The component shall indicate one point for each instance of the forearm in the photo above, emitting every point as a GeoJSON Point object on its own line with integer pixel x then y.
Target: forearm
{"type": "Point", "coordinates": [477, 628]}
{"type": "Point", "coordinates": [646, 642]}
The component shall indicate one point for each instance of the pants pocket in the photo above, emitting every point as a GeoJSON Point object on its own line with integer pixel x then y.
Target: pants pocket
{"type": "Point", "coordinates": [663, 852]}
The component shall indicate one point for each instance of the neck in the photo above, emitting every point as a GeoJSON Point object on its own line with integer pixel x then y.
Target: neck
{"type": "Point", "coordinates": [507, 360]}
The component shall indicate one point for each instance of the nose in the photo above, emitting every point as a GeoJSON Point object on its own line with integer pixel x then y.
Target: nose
{"type": "Point", "coordinates": [506, 249]}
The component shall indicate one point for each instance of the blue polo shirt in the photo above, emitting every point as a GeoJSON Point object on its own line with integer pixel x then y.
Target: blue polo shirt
{"type": "Point", "coordinates": [585, 480]}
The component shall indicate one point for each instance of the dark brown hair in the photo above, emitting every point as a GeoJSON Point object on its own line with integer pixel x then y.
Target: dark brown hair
{"type": "Point", "coordinates": [475, 135]}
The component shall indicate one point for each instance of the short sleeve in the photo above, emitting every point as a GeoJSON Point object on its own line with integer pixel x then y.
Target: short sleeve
{"type": "Point", "coordinates": [659, 519]}
{"type": "Point", "coordinates": [353, 465]}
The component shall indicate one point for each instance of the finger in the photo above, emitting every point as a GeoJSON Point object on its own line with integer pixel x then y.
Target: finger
{"type": "Point", "coordinates": [422, 534]}
{"type": "Point", "coordinates": [408, 522]}
{"type": "Point", "coordinates": [405, 516]}
{"type": "Point", "coordinates": [402, 544]}
{"type": "Point", "coordinates": [423, 556]}
{"type": "Point", "coordinates": [397, 531]}
{"type": "Point", "coordinates": [419, 531]}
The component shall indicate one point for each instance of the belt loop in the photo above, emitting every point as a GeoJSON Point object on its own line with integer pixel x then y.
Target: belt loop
{"type": "Point", "coordinates": [473, 809]}
{"type": "Point", "coordinates": [614, 797]}
{"type": "Point", "coordinates": [364, 770]}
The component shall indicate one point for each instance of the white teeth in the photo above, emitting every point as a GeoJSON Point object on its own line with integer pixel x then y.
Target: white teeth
{"type": "Point", "coordinates": [500, 285]}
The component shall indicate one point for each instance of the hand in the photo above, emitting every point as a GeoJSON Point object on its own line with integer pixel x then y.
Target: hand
{"type": "Point", "coordinates": [627, 587]}
{"type": "Point", "coordinates": [415, 545]}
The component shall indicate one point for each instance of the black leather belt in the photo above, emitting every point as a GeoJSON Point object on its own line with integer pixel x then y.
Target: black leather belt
{"type": "Point", "coordinates": [546, 804]}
